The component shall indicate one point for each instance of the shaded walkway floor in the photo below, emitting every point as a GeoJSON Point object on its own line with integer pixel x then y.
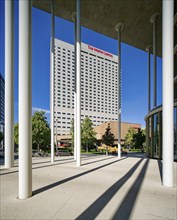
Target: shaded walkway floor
{"type": "Point", "coordinates": [103, 188]}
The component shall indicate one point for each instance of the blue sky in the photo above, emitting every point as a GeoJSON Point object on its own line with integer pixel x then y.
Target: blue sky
{"type": "Point", "coordinates": [134, 64]}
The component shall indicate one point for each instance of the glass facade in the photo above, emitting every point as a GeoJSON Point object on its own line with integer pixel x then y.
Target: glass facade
{"type": "Point", "coordinates": [149, 136]}
{"type": "Point", "coordinates": [154, 118]}
{"type": "Point", "coordinates": [154, 135]}
{"type": "Point", "coordinates": [175, 134]}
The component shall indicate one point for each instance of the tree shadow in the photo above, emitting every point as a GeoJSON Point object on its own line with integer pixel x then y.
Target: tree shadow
{"type": "Point", "coordinates": [50, 186]}
{"type": "Point", "coordinates": [88, 157]}
{"type": "Point", "coordinates": [136, 154]}
{"type": "Point", "coordinates": [56, 160]}
{"type": "Point", "coordinates": [34, 168]}
{"type": "Point", "coordinates": [49, 165]}
{"type": "Point", "coordinates": [95, 208]}
{"type": "Point", "coordinates": [126, 207]}
{"type": "Point", "coordinates": [96, 161]}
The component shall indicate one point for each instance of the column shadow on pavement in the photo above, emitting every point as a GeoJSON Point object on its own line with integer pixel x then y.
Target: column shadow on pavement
{"type": "Point", "coordinates": [39, 167]}
{"type": "Point", "coordinates": [50, 186]}
{"type": "Point", "coordinates": [160, 168]}
{"type": "Point", "coordinates": [96, 161]}
{"type": "Point", "coordinates": [125, 209]}
{"type": "Point", "coordinates": [96, 207]}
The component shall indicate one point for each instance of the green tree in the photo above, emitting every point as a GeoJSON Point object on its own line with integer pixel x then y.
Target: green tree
{"type": "Point", "coordinates": [87, 134]}
{"type": "Point", "coordinates": [40, 130]}
{"type": "Point", "coordinates": [1, 136]}
{"type": "Point", "coordinates": [16, 134]}
{"type": "Point", "coordinates": [129, 138]}
{"type": "Point", "coordinates": [139, 139]}
{"type": "Point", "coordinates": [108, 137]}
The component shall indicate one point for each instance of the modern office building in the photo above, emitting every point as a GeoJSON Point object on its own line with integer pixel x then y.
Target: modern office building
{"type": "Point", "coordinates": [99, 85]}
{"type": "Point", "coordinates": [2, 99]}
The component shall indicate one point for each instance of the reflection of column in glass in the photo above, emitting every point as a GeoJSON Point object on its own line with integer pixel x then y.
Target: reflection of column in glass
{"type": "Point", "coordinates": [119, 27]}
{"type": "Point", "coordinates": [154, 18]}
{"type": "Point", "coordinates": [168, 90]}
{"type": "Point", "coordinates": [52, 81]}
{"type": "Point", "coordinates": [9, 83]}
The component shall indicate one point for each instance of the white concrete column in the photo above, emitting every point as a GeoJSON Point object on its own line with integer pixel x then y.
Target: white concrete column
{"type": "Point", "coordinates": [25, 100]}
{"type": "Point", "coordinates": [73, 15]}
{"type": "Point", "coordinates": [52, 81]}
{"type": "Point", "coordinates": [148, 49]}
{"type": "Point", "coordinates": [154, 18]}
{"type": "Point", "coordinates": [78, 82]}
{"type": "Point", "coordinates": [119, 27]}
{"type": "Point", "coordinates": [168, 90]}
{"type": "Point", "coordinates": [9, 84]}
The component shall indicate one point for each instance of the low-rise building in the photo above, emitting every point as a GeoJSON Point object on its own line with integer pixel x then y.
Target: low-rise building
{"type": "Point", "coordinates": [100, 130]}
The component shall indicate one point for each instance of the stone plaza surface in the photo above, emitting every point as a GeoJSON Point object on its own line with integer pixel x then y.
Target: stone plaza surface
{"type": "Point", "coordinates": [104, 187]}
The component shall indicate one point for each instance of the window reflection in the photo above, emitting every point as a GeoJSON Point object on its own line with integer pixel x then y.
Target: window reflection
{"type": "Point", "coordinates": [156, 136]}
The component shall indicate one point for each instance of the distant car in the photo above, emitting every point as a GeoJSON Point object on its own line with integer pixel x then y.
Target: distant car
{"type": "Point", "coordinates": [63, 152]}
{"type": "Point", "coordinates": [35, 153]}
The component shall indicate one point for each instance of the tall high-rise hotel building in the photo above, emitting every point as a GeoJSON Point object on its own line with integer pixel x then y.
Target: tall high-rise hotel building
{"type": "Point", "coordinates": [99, 85]}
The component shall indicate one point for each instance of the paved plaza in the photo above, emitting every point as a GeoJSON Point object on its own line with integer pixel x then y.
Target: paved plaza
{"type": "Point", "coordinates": [104, 187]}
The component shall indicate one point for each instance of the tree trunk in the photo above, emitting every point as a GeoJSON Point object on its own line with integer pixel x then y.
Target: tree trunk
{"type": "Point", "coordinates": [38, 147]}
{"type": "Point", "coordinates": [106, 151]}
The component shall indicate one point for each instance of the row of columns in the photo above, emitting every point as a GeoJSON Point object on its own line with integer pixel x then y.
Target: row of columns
{"type": "Point", "coordinates": [77, 94]}
{"type": "Point", "coordinates": [25, 93]}
{"type": "Point", "coordinates": [78, 84]}
{"type": "Point", "coordinates": [168, 91]}
{"type": "Point", "coordinates": [25, 99]}
{"type": "Point", "coordinates": [119, 28]}
{"type": "Point", "coordinates": [9, 84]}
{"type": "Point", "coordinates": [52, 82]}
{"type": "Point", "coordinates": [73, 16]}
{"type": "Point", "coordinates": [154, 18]}
{"type": "Point", "coordinates": [167, 86]}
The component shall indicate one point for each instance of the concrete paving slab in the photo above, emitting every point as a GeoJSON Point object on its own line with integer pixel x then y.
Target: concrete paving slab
{"type": "Point", "coordinates": [104, 187]}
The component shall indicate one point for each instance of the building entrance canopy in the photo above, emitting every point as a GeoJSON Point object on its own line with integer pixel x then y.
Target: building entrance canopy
{"type": "Point", "coordinates": [102, 16]}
